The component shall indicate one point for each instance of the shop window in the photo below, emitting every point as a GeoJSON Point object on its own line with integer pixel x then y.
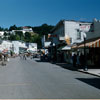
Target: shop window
{"type": "Point", "coordinates": [70, 40]}
{"type": "Point", "coordinates": [78, 34]}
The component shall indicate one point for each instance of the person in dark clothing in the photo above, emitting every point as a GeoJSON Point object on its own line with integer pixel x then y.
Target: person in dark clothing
{"type": "Point", "coordinates": [82, 60]}
{"type": "Point", "coordinates": [74, 60]}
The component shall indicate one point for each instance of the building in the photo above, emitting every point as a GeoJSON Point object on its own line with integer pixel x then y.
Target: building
{"type": "Point", "coordinates": [26, 29]}
{"type": "Point", "coordinates": [5, 46]}
{"type": "Point", "coordinates": [23, 30]}
{"type": "Point", "coordinates": [91, 46]}
{"type": "Point", "coordinates": [94, 30]}
{"type": "Point", "coordinates": [69, 29]}
{"type": "Point", "coordinates": [1, 34]}
{"type": "Point", "coordinates": [18, 47]}
{"type": "Point", "coordinates": [32, 47]}
{"type": "Point", "coordinates": [65, 34]}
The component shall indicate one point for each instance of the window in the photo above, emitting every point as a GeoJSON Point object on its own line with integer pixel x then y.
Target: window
{"type": "Point", "coordinates": [70, 40]}
{"type": "Point", "coordinates": [78, 34]}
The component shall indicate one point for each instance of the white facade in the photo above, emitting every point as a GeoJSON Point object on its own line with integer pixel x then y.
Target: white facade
{"type": "Point", "coordinates": [95, 30]}
{"type": "Point", "coordinates": [6, 45]}
{"type": "Point", "coordinates": [32, 47]}
{"type": "Point", "coordinates": [1, 33]}
{"type": "Point", "coordinates": [47, 44]}
{"type": "Point", "coordinates": [16, 45]}
{"type": "Point", "coordinates": [24, 30]}
{"type": "Point", "coordinates": [70, 29]}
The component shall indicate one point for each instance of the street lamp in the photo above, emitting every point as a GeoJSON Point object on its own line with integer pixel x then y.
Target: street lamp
{"type": "Point", "coordinates": [85, 60]}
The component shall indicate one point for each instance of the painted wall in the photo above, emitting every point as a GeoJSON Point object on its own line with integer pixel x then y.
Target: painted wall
{"type": "Point", "coordinates": [95, 30]}
{"type": "Point", "coordinates": [70, 29]}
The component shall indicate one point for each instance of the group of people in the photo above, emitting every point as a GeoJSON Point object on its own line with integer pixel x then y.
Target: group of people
{"type": "Point", "coordinates": [78, 60]}
{"type": "Point", "coordinates": [23, 56]}
{"type": "Point", "coordinates": [3, 58]}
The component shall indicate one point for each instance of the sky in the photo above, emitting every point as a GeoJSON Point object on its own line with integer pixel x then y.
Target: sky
{"type": "Point", "coordinates": [38, 12]}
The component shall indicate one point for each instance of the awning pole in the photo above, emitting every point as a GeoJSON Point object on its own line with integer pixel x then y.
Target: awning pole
{"type": "Point", "coordinates": [85, 58]}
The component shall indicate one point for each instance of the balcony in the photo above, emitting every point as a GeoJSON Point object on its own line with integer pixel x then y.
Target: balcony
{"type": "Point", "coordinates": [61, 38]}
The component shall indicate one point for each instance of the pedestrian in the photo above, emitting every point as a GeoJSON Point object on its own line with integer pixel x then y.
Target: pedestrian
{"type": "Point", "coordinates": [3, 60]}
{"type": "Point", "coordinates": [24, 56]}
{"type": "Point", "coordinates": [82, 60]}
{"type": "Point", "coordinates": [78, 61]}
{"type": "Point", "coordinates": [74, 60]}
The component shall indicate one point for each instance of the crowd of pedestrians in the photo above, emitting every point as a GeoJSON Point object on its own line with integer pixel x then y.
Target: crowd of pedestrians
{"type": "Point", "coordinates": [78, 60]}
{"type": "Point", "coordinates": [23, 56]}
{"type": "Point", "coordinates": [4, 58]}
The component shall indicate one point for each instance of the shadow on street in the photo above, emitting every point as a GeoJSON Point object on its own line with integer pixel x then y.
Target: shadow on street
{"type": "Point", "coordinates": [41, 61]}
{"type": "Point", "coordinates": [62, 65]}
{"type": "Point", "coordinates": [95, 82]}
{"type": "Point", "coordinates": [67, 66]}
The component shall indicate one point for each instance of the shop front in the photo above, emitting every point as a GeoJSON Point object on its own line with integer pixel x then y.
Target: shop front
{"type": "Point", "coordinates": [92, 52]}
{"type": "Point", "coordinates": [63, 54]}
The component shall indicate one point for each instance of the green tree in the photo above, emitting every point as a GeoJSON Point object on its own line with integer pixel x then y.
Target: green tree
{"type": "Point", "coordinates": [6, 29]}
{"type": "Point", "coordinates": [12, 37]}
{"type": "Point", "coordinates": [1, 29]}
{"type": "Point", "coordinates": [43, 29]}
{"type": "Point", "coordinates": [20, 34]}
{"type": "Point", "coordinates": [17, 37]}
{"type": "Point", "coordinates": [5, 35]}
{"type": "Point", "coordinates": [14, 27]}
{"type": "Point", "coordinates": [27, 37]}
{"type": "Point", "coordinates": [36, 39]}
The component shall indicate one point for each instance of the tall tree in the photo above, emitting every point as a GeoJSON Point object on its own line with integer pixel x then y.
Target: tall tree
{"type": "Point", "coordinates": [5, 35]}
{"type": "Point", "coordinates": [27, 37]}
{"type": "Point", "coordinates": [12, 37]}
{"type": "Point", "coordinates": [43, 29]}
{"type": "Point", "coordinates": [1, 29]}
{"type": "Point", "coordinates": [14, 27]}
{"type": "Point", "coordinates": [20, 33]}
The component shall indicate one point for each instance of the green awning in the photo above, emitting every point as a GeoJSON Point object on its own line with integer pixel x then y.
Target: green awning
{"type": "Point", "coordinates": [64, 48]}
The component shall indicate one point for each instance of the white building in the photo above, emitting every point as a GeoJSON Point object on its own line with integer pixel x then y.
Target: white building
{"type": "Point", "coordinates": [5, 45]}
{"type": "Point", "coordinates": [1, 33]}
{"type": "Point", "coordinates": [17, 46]}
{"type": "Point", "coordinates": [94, 30]}
{"type": "Point", "coordinates": [45, 44]}
{"type": "Point", "coordinates": [69, 29]}
{"type": "Point", "coordinates": [24, 30]}
{"type": "Point", "coordinates": [32, 47]}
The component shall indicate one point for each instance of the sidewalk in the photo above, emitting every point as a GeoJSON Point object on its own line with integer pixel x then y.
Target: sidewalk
{"type": "Point", "coordinates": [92, 71]}
{"type": "Point", "coordinates": [95, 72]}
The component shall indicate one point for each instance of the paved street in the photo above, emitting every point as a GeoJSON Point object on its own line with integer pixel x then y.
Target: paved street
{"type": "Point", "coordinates": [32, 79]}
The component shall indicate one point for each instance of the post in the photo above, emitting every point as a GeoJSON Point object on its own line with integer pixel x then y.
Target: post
{"type": "Point", "coordinates": [85, 58]}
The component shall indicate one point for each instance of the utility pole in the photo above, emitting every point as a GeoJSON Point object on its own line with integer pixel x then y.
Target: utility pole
{"type": "Point", "coordinates": [85, 58]}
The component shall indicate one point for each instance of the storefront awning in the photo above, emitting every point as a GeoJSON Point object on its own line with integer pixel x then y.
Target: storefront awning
{"type": "Point", "coordinates": [91, 44]}
{"type": "Point", "coordinates": [64, 48]}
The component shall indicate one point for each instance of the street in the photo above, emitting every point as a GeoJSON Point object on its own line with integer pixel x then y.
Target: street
{"type": "Point", "coordinates": [32, 79]}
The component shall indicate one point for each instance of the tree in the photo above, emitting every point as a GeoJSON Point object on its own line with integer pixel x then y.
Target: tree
{"type": "Point", "coordinates": [12, 37]}
{"type": "Point", "coordinates": [43, 29]}
{"type": "Point", "coordinates": [36, 39]}
{"type": "Point", "coordinates": [1, 29]}
{"type": "Point", "coordinates": [17, 37]}
{"type": "Point", "coordinates": [5, 35]}
{"type": "Point", "coordinates": [27, 37]}
{"type": "Point", "coordinates": [6, 29]}
{"type": "Point", "coordinates": [14, 27]}
{"type": "Point", "coordinates": [20, 33]}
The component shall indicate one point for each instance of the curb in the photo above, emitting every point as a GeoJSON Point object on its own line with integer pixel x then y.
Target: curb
{"type": "Point", "coordinates": [89, 73]}
{"type": "Point", "coordinates": [84, 72]}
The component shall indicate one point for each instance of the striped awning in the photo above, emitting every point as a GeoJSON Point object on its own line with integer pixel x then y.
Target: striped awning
{"type": "Point", "coordinates": [92, 44]}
